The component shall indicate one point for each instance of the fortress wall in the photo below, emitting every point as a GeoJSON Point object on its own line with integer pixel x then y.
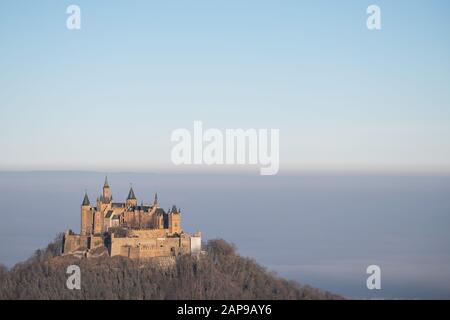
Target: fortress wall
{"type": "Point", "coordinates": [124, 251]}
{"type": "Point", "coordinates": [154, 243]}
{"type": "Point", "coordinates": [163, 247]}
{"type": "Point", "coordinates": [149, 233]}
{"type": "Point", "coordinates": [74, 242]}
{"type": "Point", "coordinates": [96, 242]}
{"type": "Point", "coordinates": [185, 243]}
{"type": "Point", "coordinates": [134, 253]}
{"type": "Point", "coordinates": [118, 243]}
{"type": "Point", "coordinates": [152, 252]}
{"type": "Point", "coordinates": [130, 252]}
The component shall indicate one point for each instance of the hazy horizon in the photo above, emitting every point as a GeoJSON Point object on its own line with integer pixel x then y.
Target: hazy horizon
{"type": "Point", "coordinates": [361, 115]}
{"type": "Point", "coordinates": [330, 227]}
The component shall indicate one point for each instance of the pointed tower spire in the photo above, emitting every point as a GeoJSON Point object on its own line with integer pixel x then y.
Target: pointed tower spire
{"type": "Point", "coordinates": [106, 195]}
{"type": "Point", "coordinates": [86, 201]}
{"type": "Point", "coordinates": [131, 199]}
{"type": "Point", "coordinates": [131, 195]}
{"type": "Point", "coordinates": [155, 201]}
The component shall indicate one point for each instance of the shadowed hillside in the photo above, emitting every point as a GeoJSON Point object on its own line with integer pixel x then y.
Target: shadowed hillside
{"type": "Point", "coordinates": [218, 274]}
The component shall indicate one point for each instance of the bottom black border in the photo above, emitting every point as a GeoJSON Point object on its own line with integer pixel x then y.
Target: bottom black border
{"type": "Point", "coordinates": [227, 309]}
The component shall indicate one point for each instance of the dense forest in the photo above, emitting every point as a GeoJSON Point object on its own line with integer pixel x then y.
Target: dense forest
{"type": "Point", "coordinates": [220, 273]}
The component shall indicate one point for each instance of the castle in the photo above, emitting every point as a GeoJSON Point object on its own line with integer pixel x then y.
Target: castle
{"type": "Point", "coordinates": [130, 230]}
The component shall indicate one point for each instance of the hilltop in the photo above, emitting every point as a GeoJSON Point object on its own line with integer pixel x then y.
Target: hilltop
{"type": "Point", "coordinates": [220, 273]}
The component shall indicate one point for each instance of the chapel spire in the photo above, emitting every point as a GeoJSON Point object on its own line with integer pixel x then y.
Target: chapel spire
{"type": "Point", "coordinates": [131, 195]}
{"type": "Point", "coordinates": [86, 201]}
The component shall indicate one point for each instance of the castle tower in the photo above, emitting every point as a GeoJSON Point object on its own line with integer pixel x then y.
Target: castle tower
{"type": "Point", "coordinates": [86, 216]}
{"type": "Point", "coordinates": [104, 203]}
{"type": "Point", "coordinates": [98, 222]}
{"type": "Point", "coordinates": [131, 199]}
{"type": "Point", "coordinates": [175, 221]}
{"type": "Point", "coordinates": [106, 189]}
{"type": "Point", "coordinates": [159, 220]}
{"type": "Point", "coordinates": [155, 201]}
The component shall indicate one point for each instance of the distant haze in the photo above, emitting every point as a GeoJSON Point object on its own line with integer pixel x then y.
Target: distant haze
{"type": "Point", "coordinates": [321, 229]}
{"type": "Point", "coordinates": [363, 118]}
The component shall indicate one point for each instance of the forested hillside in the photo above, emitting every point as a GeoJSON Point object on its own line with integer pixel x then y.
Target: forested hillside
{"type": "Point", "coordinates": [219, 274]}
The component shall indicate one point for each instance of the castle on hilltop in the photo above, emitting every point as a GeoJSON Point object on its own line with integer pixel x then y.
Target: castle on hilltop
{"type": "Point", "coordinates": [130, 230]}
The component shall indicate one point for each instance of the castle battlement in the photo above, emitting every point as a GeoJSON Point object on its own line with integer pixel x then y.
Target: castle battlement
{"type": "Point", "coordinates": [131, 230]}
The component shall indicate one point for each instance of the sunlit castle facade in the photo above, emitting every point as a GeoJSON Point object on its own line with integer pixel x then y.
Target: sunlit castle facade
{"type": "Point", "coordinates": [129, 229]}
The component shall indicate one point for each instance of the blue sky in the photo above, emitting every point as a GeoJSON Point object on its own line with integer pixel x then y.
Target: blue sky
{"type": "Point", "coordinates": [109, 95]}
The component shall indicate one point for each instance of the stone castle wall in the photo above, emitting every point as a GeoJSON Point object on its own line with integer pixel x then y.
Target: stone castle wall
{"type": "Point", "coordinates": [149, 233]}
{"type": "Point", "coordinates": [139, 244]}
{"type": "Point", "coordinates": [96, 242]}
{"type": "Point", "coordinates": [74, 242]}
{"type": "Point", "coordinates": [150, 245]}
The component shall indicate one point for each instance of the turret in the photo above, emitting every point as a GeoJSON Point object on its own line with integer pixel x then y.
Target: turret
{"type": "Point", "coordinates": [86, 201]}
{"type": "Point", "coordinates": [106, 189]}
{"type": "Point", "coordinates": [86, 216]}
{"type": "Point", "coordinates": [174, 221]}
{"type": "Point", "coordinates": [155, 201]}
{"type": "Point", "coordinates": [131, 199]}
